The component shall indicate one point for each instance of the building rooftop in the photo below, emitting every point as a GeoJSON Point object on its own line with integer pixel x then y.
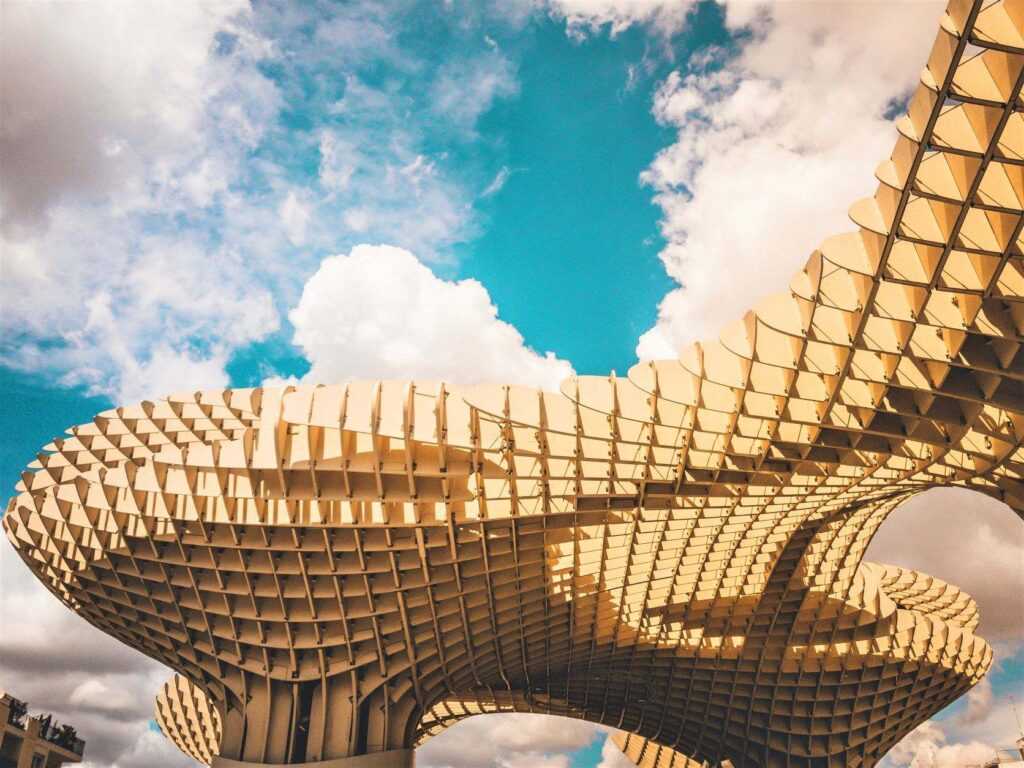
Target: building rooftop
{"type": "Point", "coordinates": [19, 723]}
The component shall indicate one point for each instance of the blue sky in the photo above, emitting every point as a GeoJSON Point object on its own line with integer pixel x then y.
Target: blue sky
{"type": "Point", "coordinates": [198, 196]}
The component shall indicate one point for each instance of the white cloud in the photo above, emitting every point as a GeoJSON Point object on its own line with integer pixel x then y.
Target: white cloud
{"type": "Point", "coordinates": [357, 219]}
{"type": "Point", "coordinates": [380, 313]}
{"type": "Point", "coordinates": [125, 120]}
{"type": "Point", "coordinates": [498, 182]}
{"type": "Point", "coordinates": [97, 694]}
{"type": "Point", "coordinates": [129, 314]}
{"type": "Point", "coordinates": [358, 32]}
{"type": "Point", "coordinates": [338, 159]}
{"type": "Point", "coordinates": [925, 747]}
{"type": "Point", "coordinates": [530, 760]}
{"type": "Point", "coordinates": [969, 540]}
{"type": "Point", "coordinates": [772, 148]}
{"type": "Point", "coordinates": [294, 213]}
{"type": "Point", "coordinates": [466, 88]}
{"type": "Point", "coordinates": [970, 738]}
{"type": "Point", "coordinates": [507, 741]}
{"type": "Point", "coordinates": [613, 757]}
{"type": "Point", "coordinates": [110, 104]}
{"type": "Point", "coordinates": [587, 16]}
{"type": "Point", "coordinates": [169, 371]}
{"type": "Point", "coordinates": [979, 702]}
{"type": "Point", "coordinates": [204, 183]}
{"type": "Point", "coordinates": [373, 169]}
{"type": "Point", "coordinates": [150, 749]}
{"type": "Point", "coordinates": [418, 171]}
{"type": "Point", "coordinates": [150, 210]}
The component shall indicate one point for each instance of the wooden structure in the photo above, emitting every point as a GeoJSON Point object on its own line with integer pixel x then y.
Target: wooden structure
{"type": "Point", "coordinates": [339, 572]}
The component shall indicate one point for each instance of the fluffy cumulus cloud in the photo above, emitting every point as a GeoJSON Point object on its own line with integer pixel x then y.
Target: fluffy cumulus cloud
{"type": "Point", "coordinates": [508, 741]}
{"type": "Point", "coordinates": [161, 208]}
{"type": "Point", "coordinates": [83, 120]}
{"type": "Point", "coordinates": [773, 144]}
{"type": "Point", "coordinates": [926, 747]}
{"type": "Point", "coordinates": [988, 541]}
{"type": "Point", "coordinates": [126, 124]}
{"type": "Point", "coordinates": [378, 312]}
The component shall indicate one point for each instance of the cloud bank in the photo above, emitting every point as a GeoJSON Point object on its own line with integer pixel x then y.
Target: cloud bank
{"type": "Point", "coordinates": [773, 144]}
{"type": "Point", "coordinates": [379, 312]}
{"type": "Point", "coordinates": [163, 203]}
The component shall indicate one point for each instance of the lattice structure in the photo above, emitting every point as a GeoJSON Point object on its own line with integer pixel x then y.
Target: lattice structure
{"type": "Point", "coordinates": [194, 727]}
{"type": "Point", "coordinates": [343, 570]}
{"type": "Point", "coordinates": [648, 754]}
{"type": "Point", "coordinates": [187, 718]}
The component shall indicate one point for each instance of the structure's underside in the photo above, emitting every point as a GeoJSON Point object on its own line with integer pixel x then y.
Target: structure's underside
{"type": "Point", "coordinates": [344, 571]}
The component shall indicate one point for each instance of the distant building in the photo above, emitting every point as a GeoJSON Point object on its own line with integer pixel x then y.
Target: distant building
{"type": "Point", "coordinates": [1009, 758]}
{"type": "Point", "coordinates": [35, 742]}
{"type": "Point", "coordinates": [1006, 758]}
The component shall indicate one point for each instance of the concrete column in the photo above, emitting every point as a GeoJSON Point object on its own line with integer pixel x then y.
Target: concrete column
{"type": "Point", "coordinates": [29, 742]}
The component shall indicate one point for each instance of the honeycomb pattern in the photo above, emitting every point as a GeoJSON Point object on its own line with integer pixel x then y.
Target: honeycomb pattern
{"type": "Point", "coordinates": [187, 718]}
{"type": "Point", "coordinates": [346, 569]}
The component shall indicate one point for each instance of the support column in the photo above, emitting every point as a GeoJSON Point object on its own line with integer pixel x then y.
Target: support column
{"type": "Point", "coordinates": [320, 723]}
